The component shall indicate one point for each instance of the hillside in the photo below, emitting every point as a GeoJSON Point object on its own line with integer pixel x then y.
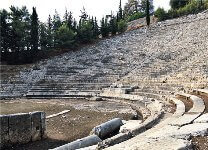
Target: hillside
{"type": "Point", "coordinates": [159, 73]}
{"type": "Point", "coordinates": [171, 51]}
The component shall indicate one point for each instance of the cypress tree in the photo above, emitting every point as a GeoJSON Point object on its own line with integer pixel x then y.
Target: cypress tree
{"type": "Point", "coordinates": [34, 30]}
{"type": "Point", "coordinates": [49, 32]}
{"type": "Point", "coordinates": [120, 12]}
{"type": "Point", "coordinates": [148, 13]}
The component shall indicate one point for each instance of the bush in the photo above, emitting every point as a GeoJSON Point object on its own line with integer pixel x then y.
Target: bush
{"type": "Point", "coordinates": [172, 13]}
{"type": "Point", "coordinates": [122, 26]}
{"type": "Point", "coordinates": [161, 14]}
{"type": "Point", "coordinates": [85, 32]}
{"type": "Point", "coordinates": [65, 36]}
{"type": "Point", "coordinates": [193, 7]}
{"type": "Point", "coordinates": [135, 16]}
{"type": "Point", "coordinates": [206, 4]}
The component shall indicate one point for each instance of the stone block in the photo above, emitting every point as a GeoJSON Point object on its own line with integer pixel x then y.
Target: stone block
{"type": "Point", "coordinates": [4, 130]}
{"type": "Point", "coordinates": [20, 128]}
{"type": "Point", "coordinates": [38, 125]}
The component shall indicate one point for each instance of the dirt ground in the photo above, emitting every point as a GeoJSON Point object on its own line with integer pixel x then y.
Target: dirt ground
{"type": "Point", "coordinates": [83, 116]}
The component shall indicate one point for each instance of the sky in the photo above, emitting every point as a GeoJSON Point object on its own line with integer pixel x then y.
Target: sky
{"type": "Point", "coordinates": [98, 8]}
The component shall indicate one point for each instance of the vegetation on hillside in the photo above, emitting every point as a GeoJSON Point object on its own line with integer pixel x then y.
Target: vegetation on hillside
{"type": "Point", "coordinates": [181, 8]}
{"type": "Point", "coordinates": [25, 39]}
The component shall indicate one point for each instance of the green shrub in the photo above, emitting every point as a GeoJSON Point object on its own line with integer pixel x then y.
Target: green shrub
{"type": "Point", "coordinates": [65, 36]}
{"type": "Point", "coordinates": [135, 16]}
{"type": "Point", "coordinates": [122, 26]}
{"type": "Point", "coordinates": [161, 14]}
{"type": "Point", "coordinates": [193, 7]}
{"type": "Point", "coordinates": [85, 32]}
{"type": "Point", "coordinates": [172, 13]}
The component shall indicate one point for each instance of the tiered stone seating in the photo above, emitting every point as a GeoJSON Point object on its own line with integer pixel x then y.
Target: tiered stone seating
{"type": "Point", "coordinates": [171, 136]}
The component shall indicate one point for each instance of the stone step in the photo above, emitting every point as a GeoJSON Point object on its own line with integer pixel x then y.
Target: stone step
{"type": "Point", "coordinates": [180, 107]}
{"type": "Point", "coordinates": [63, 90]}
{"type": "Point", "coordinates": [148, 95]}
{"type": "Point", "coordinates": [198, 103]}
{"type": "Point", "coordinates": [201, 91]}
{"type": "Point", "coordinates": [193, 113]}
{"type": "Point", "coordinates": [154, 91]}
{"type": "Point", "coordinates": [59, 94]}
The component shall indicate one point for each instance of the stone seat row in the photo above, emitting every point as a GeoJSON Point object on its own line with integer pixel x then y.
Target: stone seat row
{"type": "Point", "coordinates": [175, 131]}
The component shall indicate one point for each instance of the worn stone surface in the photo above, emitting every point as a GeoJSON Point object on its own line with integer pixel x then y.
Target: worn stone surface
{"type": "Point", "coordinates": [202, 119]}
{"type": "Point", "coordinates": [4, 130]}
{"type": "Point", "coordinates": [37, 125]}
{"type": "Point", "coordinates": [167, 53]}
{"type": "Point", "coordinates": [20, 128]}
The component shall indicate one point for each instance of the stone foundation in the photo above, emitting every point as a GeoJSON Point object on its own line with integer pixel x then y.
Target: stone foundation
{"type": "Point", "coordinates": [21, 128]}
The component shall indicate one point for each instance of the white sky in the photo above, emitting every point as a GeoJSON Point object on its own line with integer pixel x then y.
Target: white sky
{"type": "Point", "coordinates": [97, 8]}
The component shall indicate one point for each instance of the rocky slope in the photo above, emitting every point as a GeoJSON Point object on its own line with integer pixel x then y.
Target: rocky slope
{"type": "Point", "coordinates": [174, 51]}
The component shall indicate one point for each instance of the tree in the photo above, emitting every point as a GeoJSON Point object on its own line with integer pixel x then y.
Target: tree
{"type": "Point", "coordinates": [122, 26]}
{"type": "Point", "coordinates": [113, 25]}
{"type": "Point", "coordinates": [49, 32]}
{"type": "Point", "coordinates": [96, 29]}
{"type": "Point", "coordinates": [56, 24]}
{"type": "Point", "coordinates": [176, 4]}
{"type": "Point", "coordinates": [160, 14]}
{"type": "Point", "coordinates": [43, 37]}
{"type": "Point", "coordinates": [34, 30]}
{"type": "Point", "coordinates": [85, 32]}
{"type": "Point", "coordinates": [120, 12]}
{"type": "Point", "coordinates": [74, 26]}
{"type": "Point", "coordinates": [148, 13]}
{"type": "Point", "coordinates": [20, 29]}
{"type": "Point", "coordinates": [65, 36]}
{"type": "Point", "coordinates": [68, 19]}
{"type": "Point", "coordinates": [144, 6]}
{"type": "Point", "coordinates": [5, 32]}
{"type": "Point", "coordinates": [104, 29]}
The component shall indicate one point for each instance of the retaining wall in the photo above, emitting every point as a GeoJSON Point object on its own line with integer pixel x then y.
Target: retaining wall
{"type": "Point", "coordinates": [21, 128]}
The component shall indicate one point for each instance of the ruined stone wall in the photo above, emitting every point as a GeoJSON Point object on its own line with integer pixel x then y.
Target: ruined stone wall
{"type": "Point", "coordinates": [21, 128]}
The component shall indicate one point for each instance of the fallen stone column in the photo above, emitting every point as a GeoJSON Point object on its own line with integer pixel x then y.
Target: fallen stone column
{"type": "Point", "coordinates": [121, 137]}
{"type": "Point", "coordinates": [80, 143]}
{"type": "Point", "coordinates": [107, 128]}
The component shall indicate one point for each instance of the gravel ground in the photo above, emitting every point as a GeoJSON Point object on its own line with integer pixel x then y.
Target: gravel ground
{"type": "Point", "coordinates": [67, 127]}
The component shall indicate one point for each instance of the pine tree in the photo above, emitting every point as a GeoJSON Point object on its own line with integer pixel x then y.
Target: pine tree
{"type": "Point", "coordinates": [70, 20]}
{"type": "Point", "coordinates": [43, 37]}
{"type": "Point", "coordinates": [113, 25]}
{"type": "Point", "coordinates": [20, 25]}
{"type": "Point", "coordinates": [5, 32]}
{"type": "Point", "coordinates": [96, 28]}
{"type": "Point", "coordinates": [148, 13]}
{"type": "Point", "coordinates": [66, 15]}
{"type": "Point", "coordinates": [34, 30]}
{"type": "Point", "coordinates": [104, 27]}
{"type": "Point", "coordinates": [56, 25]}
